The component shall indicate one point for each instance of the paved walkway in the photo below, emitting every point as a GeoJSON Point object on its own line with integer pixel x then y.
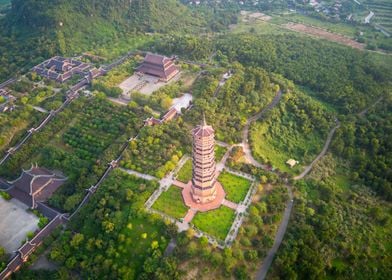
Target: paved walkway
{"type": "Point", "coordinates": [261, 274]}
{"type": "Point", "coordinates": [139, 175]}
{"type": "Point", "coordinates": [40, 109]}
{"type": "Point", "coordinates": [189, 216]}
{"type": "Point", "coordinates": [170, 248]}
{"type": "Point", "coordinates": [230, 204]}
{"type": "Point", "coordinates": [180, 184]}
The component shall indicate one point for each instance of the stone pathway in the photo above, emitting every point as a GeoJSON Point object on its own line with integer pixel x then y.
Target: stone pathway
{"type": "Point", "coordinates": [139, 175]}
{"type": "Point", "coordinates": [230, 204]}
{"type": "Point", "coordinates": [189, 216]}
{"type": "Point", "coordinates": [180, 184]}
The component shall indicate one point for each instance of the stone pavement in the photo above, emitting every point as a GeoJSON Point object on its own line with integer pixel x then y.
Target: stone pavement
{"type": "Point", "coordinates": [216, 203]}
{"type": "Point", "coordinates": [189, 216]}
{"type": "Point", "coordinates": [230, 204]}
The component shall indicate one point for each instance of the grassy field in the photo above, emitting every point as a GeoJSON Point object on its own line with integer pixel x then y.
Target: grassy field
{"type": "Point", "coordinates": [258, 27]}
{"type": "Point", "coordinates": [185, 173]}
{"type": "Point", "coordinates": [171, 203]}
{"type": "Point", "coordinates": [235, 187]}
{"type": "Point", "coordinates": [216, 222]}
{"type": "Point", "coordinates": [270, 149]}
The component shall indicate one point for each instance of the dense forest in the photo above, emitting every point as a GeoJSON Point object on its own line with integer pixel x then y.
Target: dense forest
{"type": "Point", "coordinates": [34, 30]}
{"type": "Point", "coordinates": [366, 141]}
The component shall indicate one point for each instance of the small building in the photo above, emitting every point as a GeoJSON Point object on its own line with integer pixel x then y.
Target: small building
{"type": "Point", "coordinates": [35, 185]}
{"type": "Point", "coordinates": [158, 66]}
{"type": "Point", "coordinates": [292, 162]}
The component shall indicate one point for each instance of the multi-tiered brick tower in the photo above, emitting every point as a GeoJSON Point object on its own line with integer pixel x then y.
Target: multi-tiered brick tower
{"type": "Point", "coordinates": [204, 169]}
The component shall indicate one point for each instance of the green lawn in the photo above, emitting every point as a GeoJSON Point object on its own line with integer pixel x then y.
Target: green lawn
{"type": "Point", "coordinates": [171, 203]}
{"type": "Point", "coordinates": [216, 223]}
{"type": "Point", "coordinates": [185, 173]}
{"type": "Point", "coordinates": [219, 152]}
{"type": "Point", "coordinates": [235, 187]}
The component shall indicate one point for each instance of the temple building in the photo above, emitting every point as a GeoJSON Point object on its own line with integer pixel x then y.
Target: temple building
{"type": "Point", "coordinates": [61, 69]}
{"type": "Point", "coordinates": [35, 185]}
{"type": "Point", "coordinates": [158, 66]}
{"type": "Point", "coordinates": [204, 181]}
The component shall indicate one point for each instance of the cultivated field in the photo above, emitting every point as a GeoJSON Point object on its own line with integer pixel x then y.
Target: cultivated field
{"type": "Point", "coordinates": [321, 33]}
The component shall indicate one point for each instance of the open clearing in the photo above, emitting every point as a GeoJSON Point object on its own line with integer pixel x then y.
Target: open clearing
{"type": "Point", "coordinates": [15, 223]}
{"type": "Point", "coordinates": [321, 33]}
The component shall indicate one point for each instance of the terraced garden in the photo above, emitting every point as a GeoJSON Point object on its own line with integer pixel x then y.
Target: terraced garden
{"type": "Point", "coordinates": [383, 12]}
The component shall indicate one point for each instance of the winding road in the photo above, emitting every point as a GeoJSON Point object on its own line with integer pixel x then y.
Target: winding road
{"type": "Point", "coordinates": [278, 238]}
{"type": "Point", "coordinates": [245, 133]}
{"type": "Point", "coordinates": [320, 155]}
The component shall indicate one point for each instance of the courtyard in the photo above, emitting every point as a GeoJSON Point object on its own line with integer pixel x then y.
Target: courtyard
{"type": "Point", "coordinates": [143, 83]}
{"type": "Point", "coordinates": [15, 223]}
{"type": "Point", "coordinates": [220, 219]}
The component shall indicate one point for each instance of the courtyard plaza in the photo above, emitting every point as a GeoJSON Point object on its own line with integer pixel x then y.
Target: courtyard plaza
{"type": "Point", "coordinates": [15, 223]}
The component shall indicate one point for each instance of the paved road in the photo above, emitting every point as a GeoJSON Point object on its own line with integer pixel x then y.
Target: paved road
{"type": "Point", "coordinates": [170, 248]}
{"type": "Point", "coordinates": [324, 150]}
{"type": "Point", "coordinates": [245, 134]}
{"type": "Point", "coordinates": [261, 274]}
{"type": "Point", "coordinates": [6, 83]}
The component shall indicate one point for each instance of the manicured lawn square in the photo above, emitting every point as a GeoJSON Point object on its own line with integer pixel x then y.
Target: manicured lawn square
{"type": "Point", "coordinates": [235, 187]}
{"type": "Point", "coordinates": [216, 223]}
{"type": "Point", "coordinates": [185, 173]}
{"type": "Point", "coordinates": [171, 203]}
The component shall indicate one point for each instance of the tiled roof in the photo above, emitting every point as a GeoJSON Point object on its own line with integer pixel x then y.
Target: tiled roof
{"type": "Point", "coordinates": [203, 131]}
{"type": "Point", "coordinates": [159, 66]}
{"type": "Point", "coordinates": [35, 181]}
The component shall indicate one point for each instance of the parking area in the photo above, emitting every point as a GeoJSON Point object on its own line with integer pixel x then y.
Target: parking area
{"type": "Point", "coordinates": [15, 223]}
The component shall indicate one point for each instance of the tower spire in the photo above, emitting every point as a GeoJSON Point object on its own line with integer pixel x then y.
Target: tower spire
{"type": "Point", "coordinates": [204, 119]}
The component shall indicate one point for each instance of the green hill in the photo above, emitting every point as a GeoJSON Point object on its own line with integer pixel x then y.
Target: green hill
{"type": "Point", "coordinates": [35, 29]}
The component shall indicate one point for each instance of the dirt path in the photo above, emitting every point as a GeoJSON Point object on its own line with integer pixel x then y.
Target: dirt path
{"type": "Point", "coordinates": [362, 113]}
{"type": "Point", "coordinates": [324, 34]}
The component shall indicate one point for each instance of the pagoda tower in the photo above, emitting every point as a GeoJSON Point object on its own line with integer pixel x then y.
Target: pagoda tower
{"type": "Point", "coordinates": [204, 181]}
